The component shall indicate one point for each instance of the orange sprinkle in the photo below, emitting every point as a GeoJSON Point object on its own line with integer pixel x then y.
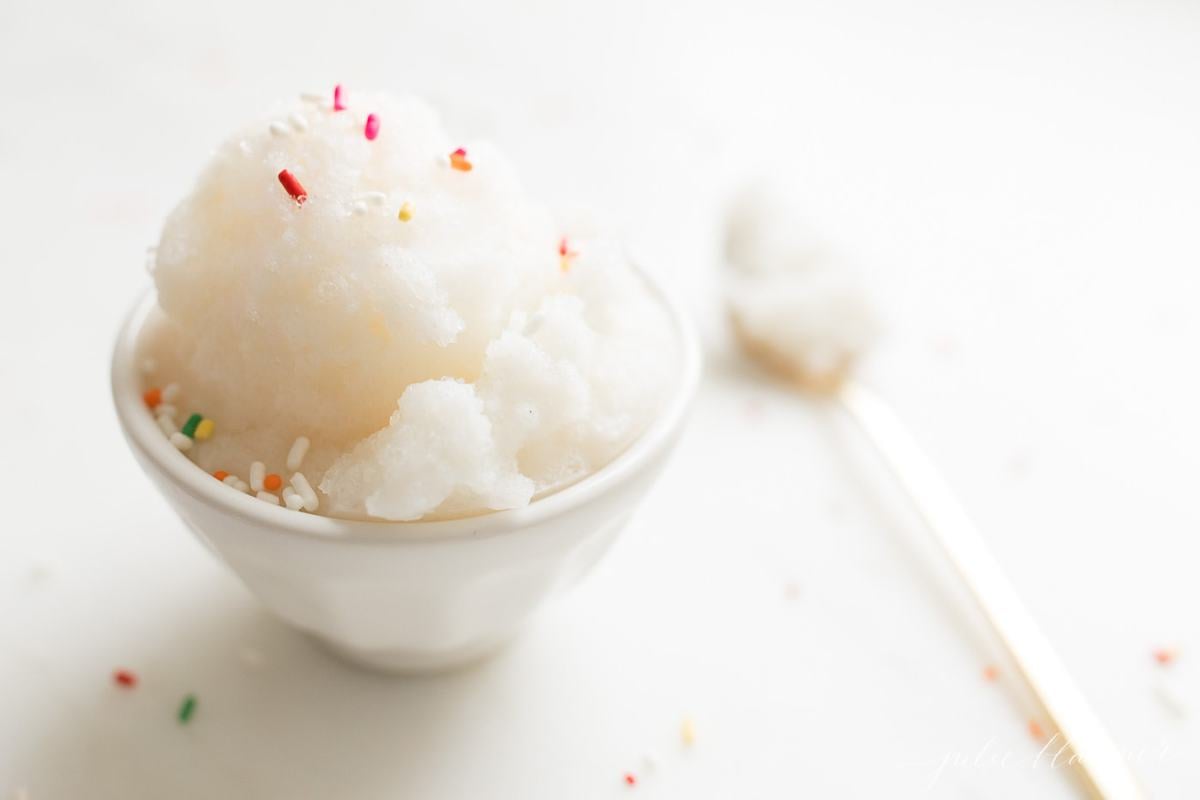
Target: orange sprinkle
{"type": "Point", "coordinates": [1035, 730]}
{"type": "Point", "coordinates": [272, 482]}
{"type": "Point", "coordinates": [990, 673]}
{"type": "Point", "coordinates": [152, 397]}
{"type": "Point", "coordinates": [1165, 655]}
{"type": "Point", "coordinates": [220, 474]}
{"type": "Point", "coordinates": [458, 160]}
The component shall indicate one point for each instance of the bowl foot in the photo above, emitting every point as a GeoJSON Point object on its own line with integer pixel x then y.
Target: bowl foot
{"type": "Point", "coordinates": [416, 662]}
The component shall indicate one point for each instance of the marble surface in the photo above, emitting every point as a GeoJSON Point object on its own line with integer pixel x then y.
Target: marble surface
{"type": "Point", "coordinates": [1019, 182]}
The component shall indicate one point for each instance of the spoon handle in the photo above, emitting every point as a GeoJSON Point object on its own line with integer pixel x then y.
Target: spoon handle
{"type": "Point", "coordinates": [1100, 761]}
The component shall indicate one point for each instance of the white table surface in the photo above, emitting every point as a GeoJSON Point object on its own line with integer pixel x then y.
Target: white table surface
{"type": "Point", "coordinates": [1021, 181]}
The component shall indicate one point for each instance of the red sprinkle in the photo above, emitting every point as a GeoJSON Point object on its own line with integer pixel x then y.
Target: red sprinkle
{"type": "Point", "coordinates": [126, 678]}
{"type": "Point", "coordinates": [293, 187]}
{"type": "Point", "coordinates": [1035, 730]}
{"type": "Point", "coordinates": [630, 779]}
{"type": "Point", "coordinates": [1164, 655]}
{"type": "Point", "coordinates": [220, 474]}
{"type": "Point", "coordinates": [338, 105]}
{"type": "Point", "coordinates": [372, 127]}
{"type": "Point", "coordinates": [152, 397]}
{"type": "Point", "coordinates": [565, 254]}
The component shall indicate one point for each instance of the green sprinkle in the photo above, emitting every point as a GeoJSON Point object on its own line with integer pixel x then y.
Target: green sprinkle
{"type": "Point", "coordinates": [189, 427]}
{"type": "Point", "coordinates": [187, 709]}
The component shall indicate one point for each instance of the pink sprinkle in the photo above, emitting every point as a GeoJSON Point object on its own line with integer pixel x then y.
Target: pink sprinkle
{"type": "Point", "coordinates": [372, 128]}
{"type": "Point", "coordinates": [338, 105]}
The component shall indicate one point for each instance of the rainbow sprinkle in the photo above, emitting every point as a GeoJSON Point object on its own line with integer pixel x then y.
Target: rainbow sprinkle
{"type": "Point", "coordinates": [371, 129]}
{"type": "Point", "coordinates": [187, 709]}
{"type": "Point", "coordinates": [189, 427]}
{"type": "Point", "coordinates": [565, 255]}
{"type": "Point", "coordinates": [293, 187]}
{"type": "Point", "coordinates": [458, 160]}
{"type": "Point", "coordinates": [338, 104]}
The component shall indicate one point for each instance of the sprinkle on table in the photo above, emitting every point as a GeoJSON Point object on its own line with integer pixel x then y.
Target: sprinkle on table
{"type": "Point", "coordinates": [152, 397]}
{"type": "Point", "coordinates": [990, 673]}
{"type": "Point", "coordinates": [1035, 730]}
{"type": "Point", "coordinates": [293, 187]}
{"type": "Point", "coordinates": [406, 212]}
{"type": "Point", "coordinates": [186, 709]}
{"type": "Point", "coordinates": [125, 678]}
{"type": "Point", "coordinates": [338, 102]}
{"type": "Point", "coordinates": [630, 779]}
{"type": "Point", "coordinates": [371, 129]}
{"type": "Point", "coordinates": [458, 160]}
{"type": "Point", "coordinates": [1165, 655]}
{"type": "Point", "coordinates": [687, 732]}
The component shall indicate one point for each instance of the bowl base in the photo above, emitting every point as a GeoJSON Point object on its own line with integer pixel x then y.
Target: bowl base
{"type": "Point", "coordinates": [415, 662]}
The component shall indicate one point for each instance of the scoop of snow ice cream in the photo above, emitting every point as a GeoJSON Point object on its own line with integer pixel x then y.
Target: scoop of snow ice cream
{"type": "Point", "coordinates": [412, 316]}
{"type": "Point", "coordinates": [792, 304]}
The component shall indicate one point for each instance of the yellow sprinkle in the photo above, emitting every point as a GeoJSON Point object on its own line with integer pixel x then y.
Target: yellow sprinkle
{"type": "Point", "coordinates": [687, 732]}
{"type": "Point", "coordinates": [405, 212]}
{"type": "Point", "coordinates": [205, 429]}
{"type": "Point", "coordinates": [564, 264]}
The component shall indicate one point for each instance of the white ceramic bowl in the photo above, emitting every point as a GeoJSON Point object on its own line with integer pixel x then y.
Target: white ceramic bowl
{"type": "Point", "coordinates": [407, 596]}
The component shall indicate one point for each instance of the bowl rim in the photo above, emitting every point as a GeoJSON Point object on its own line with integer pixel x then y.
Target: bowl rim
{"type": "Point", "coordinates": [144, 434]}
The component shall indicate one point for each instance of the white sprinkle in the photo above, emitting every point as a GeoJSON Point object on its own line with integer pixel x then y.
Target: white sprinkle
{"type": "Point", "coordinates": [258, 471]}
{"type": "Point", "coordinates": [359, 208]}
{"type": "Point", "coordinates": [296, 455]}
{"type": "Point", "coordinates": [181, 442]}
{"type": "Point", "coordinates": [294, 501]}
{"type": "Point", "coordinates": [165, 410]}
{"type": "Point", "coordinates": [305, 490]}
{"type": "Point", "coordinates": [243, 487]}
{"type": "Point", "coordinates": [649, 763]}
{"type": "Point", "coordinates": [167, 425]}
{"type": "Point", "coordinates": [278, 128]}
{"type": "Point", "coordinates": [149, 365]}
{"type": "Point", "coordinates": [298, 121]}
{"type": "Point", "coordinates": [171, 393]}
{"type": "Point", "coordinates": [267, 497]}
{"type": "Point", "coordinates": [252, 657]}
{"type": "Point", "coordinates": [376, 199]}
{"type": "Point", "coordinates": [232, 481]}
{"type": "Point", "coordinates": [314, 97]}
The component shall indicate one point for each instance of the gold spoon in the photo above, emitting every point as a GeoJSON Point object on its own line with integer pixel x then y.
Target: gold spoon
{"type": "Point", "coordinates": [1100, 762]}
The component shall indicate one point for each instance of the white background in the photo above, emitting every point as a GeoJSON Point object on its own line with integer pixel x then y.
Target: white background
{"type": "Point", "coordinates": [1020, 180]}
